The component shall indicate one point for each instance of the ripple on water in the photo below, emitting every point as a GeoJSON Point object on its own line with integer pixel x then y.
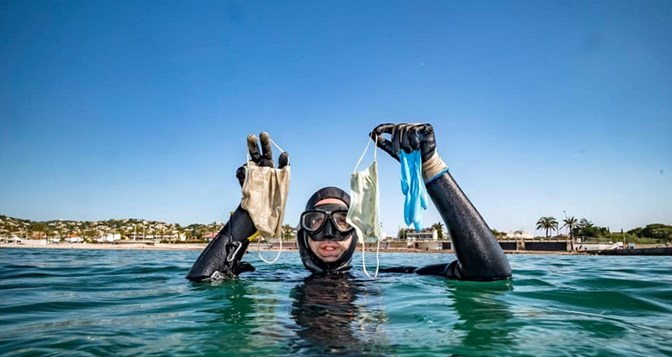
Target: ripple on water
{"type": "Point", "coordinates": [137, 303]}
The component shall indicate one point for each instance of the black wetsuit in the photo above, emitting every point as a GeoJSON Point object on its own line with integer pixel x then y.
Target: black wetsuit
{"type": "Point", "coordinates": [479, 256]}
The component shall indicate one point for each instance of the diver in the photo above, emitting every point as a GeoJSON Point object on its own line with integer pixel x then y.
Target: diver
{"type": "Point", "coordinates": [327, 242]}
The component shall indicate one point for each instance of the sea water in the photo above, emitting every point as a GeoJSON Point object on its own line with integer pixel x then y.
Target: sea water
{"type": "Point", "coordinates": [71, 302]}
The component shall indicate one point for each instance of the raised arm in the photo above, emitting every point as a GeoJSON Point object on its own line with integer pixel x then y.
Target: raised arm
{"type": "Point", "coordinates": [479, 255]}
{"type": "Point", "coordinates": [221, 259]}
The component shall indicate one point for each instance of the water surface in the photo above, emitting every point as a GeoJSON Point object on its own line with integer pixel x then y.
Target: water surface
{"type": "Point", "coordinates": [137, 303]}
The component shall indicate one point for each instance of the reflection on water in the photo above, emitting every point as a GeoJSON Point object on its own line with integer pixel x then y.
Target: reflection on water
{"type": "Point", "coordinates": [334, 316]}
{"type": "Point", "coordinates": [483, 317]}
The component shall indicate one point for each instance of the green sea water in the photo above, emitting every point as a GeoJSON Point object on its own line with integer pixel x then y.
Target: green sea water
{"type": "Point", "coordinates": [137, 303]}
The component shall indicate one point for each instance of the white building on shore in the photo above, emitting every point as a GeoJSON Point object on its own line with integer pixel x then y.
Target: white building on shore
{"type": "Point", "coordinates": [424, 235]}
{"type": "Point", "coordinates": [74, 239]}
{"type": "Point", "coordinates": [518, 235]}
{"type": "Point", "coordinates": [108, 238]}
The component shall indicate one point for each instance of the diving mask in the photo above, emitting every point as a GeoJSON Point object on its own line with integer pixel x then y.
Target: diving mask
{"type": "Point", "coordinates": [322, 225]}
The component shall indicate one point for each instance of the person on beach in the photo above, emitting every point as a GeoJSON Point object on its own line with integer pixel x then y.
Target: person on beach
{"type": "Point", "coordinates": [327, 246]}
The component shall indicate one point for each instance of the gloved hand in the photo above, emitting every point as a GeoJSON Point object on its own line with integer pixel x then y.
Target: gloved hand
{"type": "Point", "coordinates": [232, 266]}
{"type": "Point", "coordinates": [221, 259]}
{"type": "Point", "coordinates": [410, 137]}
{"type": "Point", "coordinates": [263, 159]}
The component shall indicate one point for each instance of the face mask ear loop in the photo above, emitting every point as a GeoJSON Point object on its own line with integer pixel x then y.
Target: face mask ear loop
{"type": "Point", "coordinates": [377, 260]}
{"type": "Point", "coordinates": [279, 148]}
{"type": "Point", "coordinates": [274, 259]}
{"type": "Point", "coordinates": [368, 142]}
{"type": "Point", "coordinates": [259, 241]}
{"type": "Point", "coordinates": [375, 275]}
{"type": "Point", "coordinates": [248, 161]}
{"type": "Point", "coordinates": [375, 152]}
{"type": "Point", "coordinates": [375, 159]}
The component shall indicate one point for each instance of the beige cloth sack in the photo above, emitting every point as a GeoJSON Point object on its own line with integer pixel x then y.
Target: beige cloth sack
{"type": "Point", "coordinates": [265, 193]}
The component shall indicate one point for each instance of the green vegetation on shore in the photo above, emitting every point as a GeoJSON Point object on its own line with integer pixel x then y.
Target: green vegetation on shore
{"type": "Point", "coordinates": [586, 231]}
{"type": "Point", "coordinates": [131, 228]}
{"type": "Point", "coordinates": [126, 229]}
{"type": "Point", "coordinates": [90, 230]}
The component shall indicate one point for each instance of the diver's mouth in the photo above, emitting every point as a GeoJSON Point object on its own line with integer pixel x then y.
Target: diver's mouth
{"type": "Point", "coordinates": [329, 249]}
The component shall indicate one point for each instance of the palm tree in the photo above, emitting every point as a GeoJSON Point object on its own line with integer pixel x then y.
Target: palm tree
{"type": "Point", "coordinates": [570, 223]}
{"type": "Point", "coordinates": [287, 232]}
{"type": "Point", "coordinates": [439, 229]}
{"type": "Point", "coordinates": [547, 223]}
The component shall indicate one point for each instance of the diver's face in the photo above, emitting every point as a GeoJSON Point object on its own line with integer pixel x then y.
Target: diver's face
{"type": "Point", "coordinates": [329, 251]}
{"type": "Point", "coordinates": [326, 249]}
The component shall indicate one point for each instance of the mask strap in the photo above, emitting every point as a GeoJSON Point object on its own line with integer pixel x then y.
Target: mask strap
{"type": "Point", "coordinates": [262, 258]}
{"type": "Point", "coordinates": [377, 260]}
{"type": "Point", "coordinates": [375, 275]}
{"type": "Point", "coordinates": [375, 152]}
{"type": "Point", "coordinates": [368, 142]}
{"type": "Point", "coordinates": [278, 147]}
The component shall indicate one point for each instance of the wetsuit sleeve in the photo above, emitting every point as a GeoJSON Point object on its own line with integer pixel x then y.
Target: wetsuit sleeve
{"type": "Point", "coordinates": [221, 259]}
{"type": "Point", "coordinates": [479, 255]}
{"type": "Point", "coordinates": [400, 269]}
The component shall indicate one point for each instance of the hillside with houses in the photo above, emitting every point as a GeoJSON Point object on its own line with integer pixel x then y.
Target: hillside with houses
{"type": "Point", "coordinates": [55, 231]}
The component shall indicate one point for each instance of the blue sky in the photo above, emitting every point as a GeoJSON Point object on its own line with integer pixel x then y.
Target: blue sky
{"type": "Point", "coordinates": [140, 109]}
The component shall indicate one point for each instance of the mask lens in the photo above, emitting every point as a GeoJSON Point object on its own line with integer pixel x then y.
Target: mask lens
{"type": "Point", "coordinates": [313, 221]}
{"type": "Point", "coordinates": [340, 221]}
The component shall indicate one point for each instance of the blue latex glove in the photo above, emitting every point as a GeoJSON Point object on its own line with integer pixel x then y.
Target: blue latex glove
{"type": "Point", "coordinates": [413, 187]}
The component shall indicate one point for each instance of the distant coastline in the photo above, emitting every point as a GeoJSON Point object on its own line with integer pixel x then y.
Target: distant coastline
{"type": "Point", "coordinates": [644, 249]}
{"type": "Point", "coordinates": [650, 250]}
{"type": "Point", "coordinates": [107, 246]}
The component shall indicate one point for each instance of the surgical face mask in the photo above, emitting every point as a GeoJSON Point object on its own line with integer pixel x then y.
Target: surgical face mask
{"type": "Point", "coordinates": [364, 201]}
{"type": "Point", "coordinates": [363, 212]}
{"type": "Point", "coordinates": [413, 187]}
{"type": "Point", "coordinates": [265, 193]}
{"type": "Point", "coordinates": [364, 206]}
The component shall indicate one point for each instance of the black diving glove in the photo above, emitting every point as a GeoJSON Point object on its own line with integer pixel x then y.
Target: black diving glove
{"type": "Point", "coordinates": [221, 259]}
{"type": "Point", "coordinates": [263, 159]}
{"type": "Point", "coordinates": [230, 264]}
{"type": "Point", "coordinates": [411, 137]}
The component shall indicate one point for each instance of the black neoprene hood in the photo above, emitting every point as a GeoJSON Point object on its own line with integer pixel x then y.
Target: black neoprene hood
{"type": "Point", "coordinates": [327, 192]}
{"type": "Point", "coordinates": [309, 259]}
